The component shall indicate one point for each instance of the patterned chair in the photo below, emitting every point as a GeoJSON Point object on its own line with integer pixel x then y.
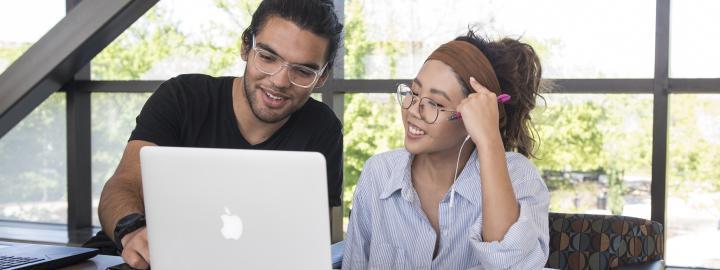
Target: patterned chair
{"type": "Point", "coordinates": [590, 242]}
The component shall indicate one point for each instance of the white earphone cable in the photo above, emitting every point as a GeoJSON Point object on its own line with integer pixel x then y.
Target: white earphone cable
{"type": "Point", "coordinates": [457, 166]}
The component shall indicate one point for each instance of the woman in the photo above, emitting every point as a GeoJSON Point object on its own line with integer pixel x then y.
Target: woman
{"type": "Point", "coordinates": [412, 210]}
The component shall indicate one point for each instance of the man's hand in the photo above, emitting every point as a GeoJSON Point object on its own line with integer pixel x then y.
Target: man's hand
{"type": "Point", "coordinates": [135, 249]}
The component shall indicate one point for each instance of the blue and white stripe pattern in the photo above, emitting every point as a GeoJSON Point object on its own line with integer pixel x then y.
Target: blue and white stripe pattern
{"type": "Point", "coordinates": [389, 230]}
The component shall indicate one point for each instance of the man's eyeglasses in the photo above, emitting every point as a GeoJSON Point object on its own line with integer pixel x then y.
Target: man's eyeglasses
{"type": "Point", "coordinates": [270, 64]}
{"type": "Point", "coordinates": [429, 110]}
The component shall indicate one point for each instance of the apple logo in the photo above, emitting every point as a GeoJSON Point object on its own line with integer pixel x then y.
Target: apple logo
{"type": "Point", "coordinates": [232, 226]}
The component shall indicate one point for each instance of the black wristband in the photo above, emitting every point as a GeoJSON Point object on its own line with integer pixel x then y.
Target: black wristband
{"type": "Point", "coordinates": [126, 225]}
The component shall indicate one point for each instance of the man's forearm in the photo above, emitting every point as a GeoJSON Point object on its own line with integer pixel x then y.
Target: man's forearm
{"type": "Point", "coordinates": [118, 199]}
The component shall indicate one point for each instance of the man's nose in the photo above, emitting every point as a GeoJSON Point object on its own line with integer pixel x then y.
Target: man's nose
{"type": "Point", "coordinates": [281, 79]}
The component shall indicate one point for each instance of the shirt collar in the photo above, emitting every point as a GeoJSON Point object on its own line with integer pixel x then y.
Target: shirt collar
{"type": "Point", "coordinates": [467, 185]}
{"type": "Point", "coordinates": [399, 177]}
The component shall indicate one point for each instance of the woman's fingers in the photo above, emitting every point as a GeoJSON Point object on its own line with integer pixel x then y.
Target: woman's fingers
{"type": "Point", "coordinates": [479, 88]}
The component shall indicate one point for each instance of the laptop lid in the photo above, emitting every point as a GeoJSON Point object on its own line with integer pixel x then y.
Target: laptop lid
{"type": "Point", "coordinates": [241, 209]}
{"type": "Point", "coordinates": [36, 256]}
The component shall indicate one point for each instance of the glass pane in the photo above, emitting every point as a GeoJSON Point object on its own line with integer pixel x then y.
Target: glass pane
{"type": "Point", "coordinates": [33, 165]}
{"type": "Point", "coordinates": [693, 187]}
{"type": "Point", "coordinates": [595, 152]}
{"type": "Point", "coordinates": [178, 36]}
{"type": "Point", "coordinates": [35, 22]}
{"type": "Point", "coordinates": [694, 36]}
{"type": "Point", "coordinates": [575, 39]}
{"type": "Point", "coordinates": [372, 124]}
{"type": "Point", "coordinates": [113, 118]}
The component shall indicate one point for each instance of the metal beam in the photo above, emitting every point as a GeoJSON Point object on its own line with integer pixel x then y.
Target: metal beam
{"type": "Point", "coordinates": [600, 86]}
{"type": "Point", "coordinates": [661, 85]}
{"type": "Point", "coordinates": [79, 163]}
{"type": "Point", "coordinates": [363, 86]}
{"type": "Point", "coordinates": [335, 101]}
{"type": "Point", "coordinates": [335, 86]}
{"type": "Point", "coordinates": [54, 59]}
{"type": "Point", "coordinates": [339, 67]}
{"type": "Point", "coordinates": [564, 86]}
{"type": "Point", "coordinates": [695, 86]}
{"type": "Point", "coordinates": [115, 86]}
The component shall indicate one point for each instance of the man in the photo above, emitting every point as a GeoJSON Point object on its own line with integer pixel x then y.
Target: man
{"type": "Point", "coordinates": [289, 48]}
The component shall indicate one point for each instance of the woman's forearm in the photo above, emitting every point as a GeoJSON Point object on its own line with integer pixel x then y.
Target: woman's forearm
{"type": "Point", "coordinates": [500, 208]}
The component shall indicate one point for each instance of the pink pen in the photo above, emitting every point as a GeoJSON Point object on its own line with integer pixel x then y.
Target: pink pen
{"type": "Point", "coordinates": [502, 98]}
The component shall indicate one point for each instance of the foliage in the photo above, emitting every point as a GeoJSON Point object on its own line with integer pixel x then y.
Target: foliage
{"type": "Point", "coordinates": [571, 138]}
{"type": "Point", "coordinates": [226, 54]}
{"type": "Point", "coordinates": [615, 192]}
{"type": "Point", "coordinates": [35, 170]}
{"type": "Point", "coordinates": [10, 52]}
{"type": "Point", "coordinates": [693, 160]}
{"type": "Point", "coordinates": [356, 44]}
{"type": "Point", "coordinates": [365, 114]}
{"type": "Point", "coordinates": [140, 47]}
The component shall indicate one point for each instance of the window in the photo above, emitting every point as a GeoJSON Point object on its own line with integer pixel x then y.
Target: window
{"type": "Point", "coordinates": [33, 166]}
{"type": "Point", "coordinates": [33, 163]}
{"type": "Point", "coordinates": [365, 115]}
{"type": "Point", "coordinates": [575, 39]}
{"type": "Point", "coordinates": [693, 182]}
{"type": "Point", "coordinates": [595, 152]}
{"type": "Point", "coordinates": [113, 119]}
{"type": "Point", "coordinates": [694, 39]}
{"type": "Point", "coordinates": [176, 37]}
{"type": "Point", "coordinates": [36, 18]}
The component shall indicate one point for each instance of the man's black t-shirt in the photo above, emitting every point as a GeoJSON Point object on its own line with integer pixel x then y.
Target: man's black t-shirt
{"type": "Point", "coordinates": [196, 110]}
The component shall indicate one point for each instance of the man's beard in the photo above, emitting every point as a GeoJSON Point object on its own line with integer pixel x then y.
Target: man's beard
{"type": "Point", "coordinates": [253, 103]}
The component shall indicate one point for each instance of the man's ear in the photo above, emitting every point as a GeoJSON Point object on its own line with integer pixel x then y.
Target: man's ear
{"type": "Point", "coordinates": [244, 51]}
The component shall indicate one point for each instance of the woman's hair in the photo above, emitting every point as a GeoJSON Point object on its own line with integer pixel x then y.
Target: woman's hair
{"type": "Point", "coordinates": [518, 70]}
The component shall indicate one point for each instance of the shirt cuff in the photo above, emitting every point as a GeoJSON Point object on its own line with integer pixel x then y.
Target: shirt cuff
{"type": "Point", "coordinates": [518, 242]}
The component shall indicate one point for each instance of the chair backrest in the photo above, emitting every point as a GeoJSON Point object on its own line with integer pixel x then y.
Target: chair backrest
{"type": "Point", "coordinates": [585, 241]}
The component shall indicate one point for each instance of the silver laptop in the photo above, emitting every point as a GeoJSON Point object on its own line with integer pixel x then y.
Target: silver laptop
{"type": "Point", "coordinates": [235, 209]}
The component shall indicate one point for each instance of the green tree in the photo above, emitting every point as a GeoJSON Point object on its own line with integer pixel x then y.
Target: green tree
{"type": "Point", "coordinates": [627, 131]}
{"type": "Point", "coordinates": [570, 136]}
{"type": "Point", "coordinates": [32, 167]}
{"type": "Point", "coordinates": [356, 44]}
{"type": "Point", "coordinates": [693, 159]}
{"type": "Point", "coordinates": [224, 55]}
{"type": "Point", "coordinates": [11, 52]}
{"type": "Point", "coordinates": [372, 123]}
{"type": "Point", "coordinates": [615, 192]}
{"type": "Point", "coordinates": [137, 49]}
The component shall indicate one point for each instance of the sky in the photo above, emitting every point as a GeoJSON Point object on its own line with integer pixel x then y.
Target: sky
{"type": "Point", "coordinates": [23, 21]}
